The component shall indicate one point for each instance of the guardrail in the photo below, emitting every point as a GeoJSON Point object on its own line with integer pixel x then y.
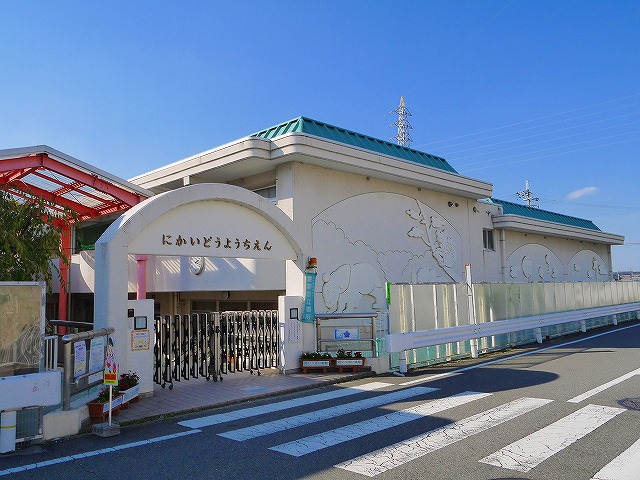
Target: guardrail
{"type": "Point", "coordinates": [400, 342]}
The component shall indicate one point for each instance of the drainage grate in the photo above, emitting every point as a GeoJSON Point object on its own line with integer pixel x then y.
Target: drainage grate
{"type": "Point", "coordinates": [28, 425]}
{"type": "Point", "coordinates": [630, 403]}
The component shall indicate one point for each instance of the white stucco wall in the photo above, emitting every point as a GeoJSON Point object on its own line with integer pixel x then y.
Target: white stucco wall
{"type": "Point", "coordinates": [171, 274]}
{"type": "Point", "coordinates": [365, 232]}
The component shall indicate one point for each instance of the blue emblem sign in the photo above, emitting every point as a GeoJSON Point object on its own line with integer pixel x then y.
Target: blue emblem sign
{"type": "Point", "coordinates": [346, 333]}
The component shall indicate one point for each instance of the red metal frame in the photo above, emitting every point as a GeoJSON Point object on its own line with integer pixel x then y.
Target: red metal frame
{"type": "Point", "coordinates": [14, 177]}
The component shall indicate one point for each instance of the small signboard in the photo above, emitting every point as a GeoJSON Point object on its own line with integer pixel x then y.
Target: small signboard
{"type": "Point", "coordinates": [293, 331]}
{"type": "Point", "coordinates": [96, 358]}
{"type": "Point", "coordinates": [110, 365]}
{"type": "Point", "coordinates": [140, 340]}
{"type": "Point", "coordinates": [80, 359]}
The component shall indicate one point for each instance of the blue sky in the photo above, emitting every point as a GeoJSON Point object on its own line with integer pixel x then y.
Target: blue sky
{"type": "Point", "coordinates": [506, 91]}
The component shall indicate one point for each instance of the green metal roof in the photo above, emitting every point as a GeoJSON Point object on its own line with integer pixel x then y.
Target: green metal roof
{"type": "Point", "coordinates": [510, 208]}
{"type": "Point", "coordinates": [329, 132]}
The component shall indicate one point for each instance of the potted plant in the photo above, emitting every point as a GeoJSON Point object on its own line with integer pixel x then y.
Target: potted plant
{"type": "Point", "coordinates": [316, 361]}
{"type": "Point", "coordinates": [348, 359]}
{"type": "Point", "coordinates": [129, 386]}
{"type": "Point", "coordinates": [99, 407]}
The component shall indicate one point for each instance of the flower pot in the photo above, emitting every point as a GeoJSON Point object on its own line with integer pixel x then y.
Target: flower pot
{"type": "Point", "coordinates": [353, 363]}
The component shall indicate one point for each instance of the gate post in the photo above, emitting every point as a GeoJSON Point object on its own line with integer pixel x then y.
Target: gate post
{"type": "Point", "coordinates": [472, 309]}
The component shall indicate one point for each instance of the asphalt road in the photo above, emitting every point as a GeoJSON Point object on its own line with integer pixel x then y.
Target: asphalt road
{"type": "Point", "coordinates": [569, 409]}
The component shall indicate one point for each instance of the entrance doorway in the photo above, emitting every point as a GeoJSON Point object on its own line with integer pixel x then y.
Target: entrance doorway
{"type": "Point", "coordinates": [214, 344]}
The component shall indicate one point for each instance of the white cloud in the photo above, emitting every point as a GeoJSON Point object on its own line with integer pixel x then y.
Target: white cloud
{"type": "Point", "coordinates": [582, 192]}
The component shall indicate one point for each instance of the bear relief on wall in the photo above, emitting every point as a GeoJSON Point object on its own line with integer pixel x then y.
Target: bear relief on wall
{"type": "Point", "coordinates": [364, 241]}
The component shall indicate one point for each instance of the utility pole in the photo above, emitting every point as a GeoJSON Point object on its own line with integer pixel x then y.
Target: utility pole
{"type": "Point", "coordinates": [403, 125]}
{"type": "Point", "coordinates": [527, 195]}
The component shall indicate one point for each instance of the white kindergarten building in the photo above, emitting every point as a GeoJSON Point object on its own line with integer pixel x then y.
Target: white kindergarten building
{"type": "Point", "coordinates": [235, 227]}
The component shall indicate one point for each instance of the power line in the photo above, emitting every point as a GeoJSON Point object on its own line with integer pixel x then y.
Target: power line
{"type": "Point", "coordinates": [550, 148]}
{"type": "Point", "coordinates": [555, 138]}
{"type": "Point", "coordinates": [591, 205]}
{"type": "Point", "coordinates": [543, 156]}
{"type": "Point", "coordinates": [541, 118]}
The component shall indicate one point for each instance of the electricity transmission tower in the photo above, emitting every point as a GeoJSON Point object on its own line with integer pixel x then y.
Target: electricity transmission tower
{"type": "Point", "coordinates": [527, 195]}
{"type": "Point", "coordinates": [403, 125]}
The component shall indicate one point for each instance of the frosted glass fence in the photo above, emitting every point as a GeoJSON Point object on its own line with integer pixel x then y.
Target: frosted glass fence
{"type": "Point", "coordinates": [431, 306]}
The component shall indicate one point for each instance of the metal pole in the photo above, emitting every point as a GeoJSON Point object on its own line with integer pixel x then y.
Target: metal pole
{"type": "Point", "coordinates": [472, 310]}
{"type": "Point", "coordinates": [110, 402]}
{"type": "Point", "coordinates": [66, 385]}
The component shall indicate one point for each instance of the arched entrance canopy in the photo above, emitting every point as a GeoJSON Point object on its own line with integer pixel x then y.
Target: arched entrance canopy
{"type": "Point", "coordinates": [66, 184]}
{"type": "Point", "coordinates": [214, 220]}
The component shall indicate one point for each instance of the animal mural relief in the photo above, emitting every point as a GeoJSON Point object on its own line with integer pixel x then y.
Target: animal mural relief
{"type": "Point", "coordinates": [534, 263]}
{"type": "Point", "coordinates": [432, 230]}
{"type": "Point", "coordinates": [369, 239]}
{"type": "Point", "coordinates": [588, 266]}
{"type": "Point", "coordinates": [343, 289]}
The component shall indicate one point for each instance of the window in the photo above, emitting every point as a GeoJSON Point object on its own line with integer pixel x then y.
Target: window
{"type": "Point", "coordinates": [487, 239]}
{"type": "Point", "coordinates": [269, 193]}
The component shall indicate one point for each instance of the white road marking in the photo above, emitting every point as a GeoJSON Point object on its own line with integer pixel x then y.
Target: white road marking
{"type": "Point", "coordinates": [511, 357]}
{"type": "Point", "coordinates": [267, 428]}
{"type": "Point", "coordinates": [533, 449]}
{"type": "Point", "coordinates": [624, 467]}
{"type": "Point", "coordinates": [313, 443]}
{"type": "Point", "coordinates": [278, 406]}
{"type": "Point", "coordinates": [603, 387]}
{"type": "Point", "coordinates": [79, 456]}
{"type": "Point", "coordinates": [380, 461]}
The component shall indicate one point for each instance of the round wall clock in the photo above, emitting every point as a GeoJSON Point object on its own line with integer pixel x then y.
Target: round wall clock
{"type": "Point", "coordinates": [196, 265]}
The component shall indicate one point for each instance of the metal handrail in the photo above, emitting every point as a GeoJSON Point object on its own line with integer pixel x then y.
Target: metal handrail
{"type": "Point", "coordinates": [68, 341]}
{"type": "Point", "coordinates": [71, 324]}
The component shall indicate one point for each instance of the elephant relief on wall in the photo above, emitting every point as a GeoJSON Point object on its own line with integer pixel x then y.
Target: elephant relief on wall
{"type": "Point", "coordinates": [343, 289]}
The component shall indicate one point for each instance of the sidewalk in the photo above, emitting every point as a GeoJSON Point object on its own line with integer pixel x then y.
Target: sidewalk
{"type": "Point", "coordinates": [199, 394]}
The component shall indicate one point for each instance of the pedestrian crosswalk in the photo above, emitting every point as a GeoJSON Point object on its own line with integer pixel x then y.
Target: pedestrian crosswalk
{"type": "Point", "coordinates": [529, 452]}
{"type": "Point", "coordinates": [625, 466]}
{"type": "Point", "coordinates": [390, 457]}
{"type": "Point", "coordinates": [324, 414]}
{"type": "Point", "coordinates": [522, 455]}
{"type": "Point", "coordinates": [367, 427]}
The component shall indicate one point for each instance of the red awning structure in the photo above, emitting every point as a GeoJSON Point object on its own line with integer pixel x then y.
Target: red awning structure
{"type": "Point", "coordinates": [66, 183]}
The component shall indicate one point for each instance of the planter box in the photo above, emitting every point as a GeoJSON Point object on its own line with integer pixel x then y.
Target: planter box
{"type": "Point", "coordinates": [353, 363]}
{"type": "Point", "coordinates": [98, 410]}
{"type": "Point", "coordinates": [131, 394]}
{"type": "Point", "coordinates": [323, 364]}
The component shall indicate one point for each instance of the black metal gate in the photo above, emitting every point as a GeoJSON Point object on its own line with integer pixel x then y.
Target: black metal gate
{"type": "Point", "coordinates": [214, 344]}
